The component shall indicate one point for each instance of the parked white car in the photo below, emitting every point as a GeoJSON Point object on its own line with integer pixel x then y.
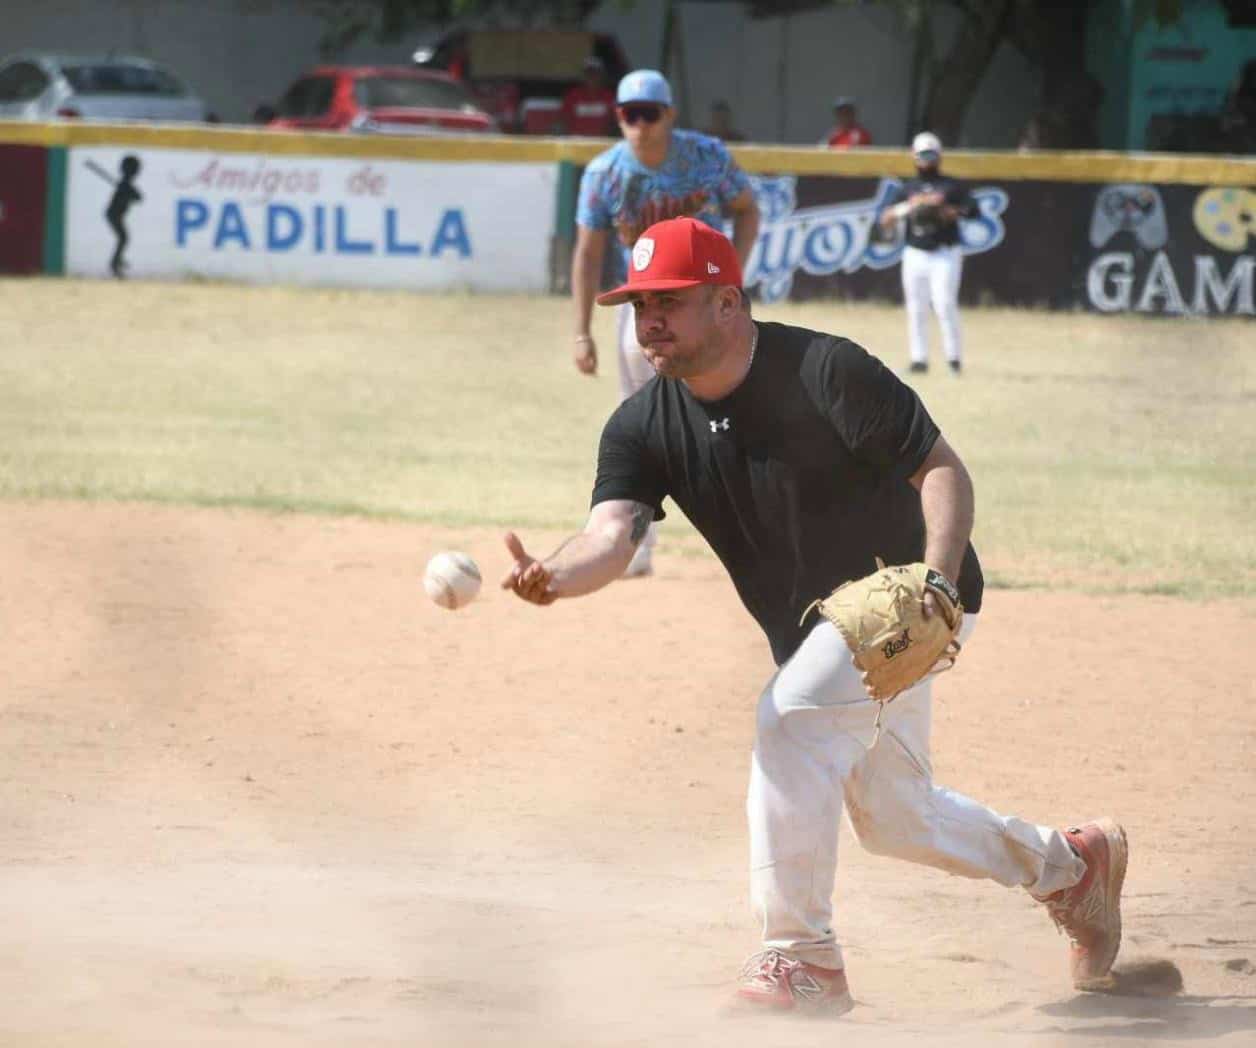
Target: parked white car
{"type": "Point", "coordinates": [40, 86]}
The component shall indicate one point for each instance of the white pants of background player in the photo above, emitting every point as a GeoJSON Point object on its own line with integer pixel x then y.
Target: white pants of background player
{"type": "Point", "coordinates": [813, 749]}
{"type": "Point", "coordinates": [634, 372]}
{"type": "Point", "coordinates": [932, 278]}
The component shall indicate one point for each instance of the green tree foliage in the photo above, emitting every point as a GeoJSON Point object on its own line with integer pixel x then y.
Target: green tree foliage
{"type": "Point", "coordinates": [389, 20]}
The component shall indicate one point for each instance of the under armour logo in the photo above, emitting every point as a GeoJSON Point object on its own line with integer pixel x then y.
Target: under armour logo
{"type": "Point", "coordinates": [712, 268]}
{"type": "Point", "coordinates": [722, 424]}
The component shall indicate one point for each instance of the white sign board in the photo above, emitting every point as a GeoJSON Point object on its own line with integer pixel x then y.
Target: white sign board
{"type": "Point", "coordinates": [169, 213]}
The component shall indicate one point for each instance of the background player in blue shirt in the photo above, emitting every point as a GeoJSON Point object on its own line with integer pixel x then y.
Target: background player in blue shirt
{"type": "Point", "coordinates": [656, 172]}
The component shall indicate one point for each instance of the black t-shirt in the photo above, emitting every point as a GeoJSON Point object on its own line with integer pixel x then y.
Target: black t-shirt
{"type": "Point", "coordinates": [798, 479]}
{"type": "Point", "coordinates": [927, 229]}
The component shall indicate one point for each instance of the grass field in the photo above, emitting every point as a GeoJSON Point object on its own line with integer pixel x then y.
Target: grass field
{"type": "Point", "coordinates": [1114, 453]}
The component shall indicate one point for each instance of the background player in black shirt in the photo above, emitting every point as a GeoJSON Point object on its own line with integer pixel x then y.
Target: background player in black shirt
{"type": "Point", "coordinates": [800, 458]}
{"type": "Point", "coordinates": [931, 205]}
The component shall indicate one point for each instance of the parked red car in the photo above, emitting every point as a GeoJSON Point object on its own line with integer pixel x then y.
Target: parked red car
{"type": "Point", "coordinates": [521, 75]}
{"type": "Point", "coordinates": [382, 99]}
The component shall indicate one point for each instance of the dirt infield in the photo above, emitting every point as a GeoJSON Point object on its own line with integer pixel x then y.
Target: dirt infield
{"type": "Point", "coordinates": [257, 791]}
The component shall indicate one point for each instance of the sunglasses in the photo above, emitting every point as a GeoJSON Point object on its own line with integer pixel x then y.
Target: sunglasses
{"type": "Point", "coordinates": [640, 113]}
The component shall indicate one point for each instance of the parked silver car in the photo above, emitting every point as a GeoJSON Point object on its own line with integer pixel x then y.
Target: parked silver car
{"type": "Point", "coordinates": [40, 86]}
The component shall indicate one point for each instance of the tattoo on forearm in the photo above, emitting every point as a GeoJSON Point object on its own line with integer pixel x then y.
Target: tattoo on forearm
{"type": "Point", "coordinates": [642, 517]}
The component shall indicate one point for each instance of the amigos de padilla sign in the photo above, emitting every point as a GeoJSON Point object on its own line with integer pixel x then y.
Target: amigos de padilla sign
{"type": "Point", "coordinates": [308, 220]}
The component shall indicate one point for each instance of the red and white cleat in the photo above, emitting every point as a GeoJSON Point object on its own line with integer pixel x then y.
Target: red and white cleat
{"type": "Point", "coordinates": [773, 981]}
{"type": "Point", "coordinates": [1089, 913]}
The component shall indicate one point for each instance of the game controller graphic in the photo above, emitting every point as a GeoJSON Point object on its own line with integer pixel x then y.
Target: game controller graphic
{"type": "Point", "coordinates": [1226, 216]}
{"type": "Point", "coordinates": [1129, 209]}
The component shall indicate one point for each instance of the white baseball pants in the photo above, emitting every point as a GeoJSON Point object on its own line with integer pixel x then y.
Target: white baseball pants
{"type": "Point", "coordinates": [932, 278]}
{"type": "Point", "coordinates": [813, 750]}
{"type": "Point", "coordinates": [634, 372]}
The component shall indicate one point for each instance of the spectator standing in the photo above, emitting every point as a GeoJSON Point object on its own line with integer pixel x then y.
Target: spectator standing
{"type": "Point", "coordinates": [847, 132]}
{"type": "Point", "coordinates": [589, 107]}
{"type": "Point", "coordinates": [931, 205]}
{"type": "Point", "coordinates": [656, 172]}
{"type": "Point", "coordinates": [721, 125]}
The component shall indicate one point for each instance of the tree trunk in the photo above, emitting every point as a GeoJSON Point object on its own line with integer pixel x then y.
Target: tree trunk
{"type": "Point", "coordinates": [956, 77]}
{"type": "Point", "coordinates": [1053, 37]}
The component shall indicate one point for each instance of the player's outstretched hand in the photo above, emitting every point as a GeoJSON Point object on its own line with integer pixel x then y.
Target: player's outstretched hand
{"type": "Point", "coordinates": [528, 577]}
{"type": "Point", "coordinates": [585, 355]}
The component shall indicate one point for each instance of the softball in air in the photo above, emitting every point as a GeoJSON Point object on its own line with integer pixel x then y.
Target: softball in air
{"type": "Point", "coordinates": [451, 579]}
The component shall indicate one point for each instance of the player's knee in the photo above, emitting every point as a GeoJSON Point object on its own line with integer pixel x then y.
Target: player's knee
{"type": "Point", "coordinates": [783, 732]}
{"type": "Point", "coordinates": [769, 725]}
{"type": "Point", "coordinates": [897, 831]}
{"type": "Point", "coordinates": [888, 803]}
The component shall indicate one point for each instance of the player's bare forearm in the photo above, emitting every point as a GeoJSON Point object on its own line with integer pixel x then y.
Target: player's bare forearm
{"type": "Point", "coordinates": [947, 504]}
{"type": "Point", "coordinates": [599, 554]}
{"type": "Point", "coordinates": [586, 268]}
{"type": "Point", "coordinates": [587, 561]}
{"type": "Point", "coordinates": [745, 226]}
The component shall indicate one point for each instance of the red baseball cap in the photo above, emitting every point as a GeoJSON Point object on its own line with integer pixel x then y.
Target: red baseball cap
{"type": "Point", "coordinates": [678, 253]}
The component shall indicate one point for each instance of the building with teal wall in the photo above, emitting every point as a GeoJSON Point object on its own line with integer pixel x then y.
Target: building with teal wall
{"type": "Point", "coordinates": [1166, 84]}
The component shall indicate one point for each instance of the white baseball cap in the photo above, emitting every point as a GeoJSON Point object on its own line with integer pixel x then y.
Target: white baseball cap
{"type": "Point", "coordinates": [926, 142]}
{"type": "Point", "coordinates": [644, 85]}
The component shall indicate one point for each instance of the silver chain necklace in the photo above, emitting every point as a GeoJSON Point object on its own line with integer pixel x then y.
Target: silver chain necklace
{"type": "Point", "coordinates": [754, 344]}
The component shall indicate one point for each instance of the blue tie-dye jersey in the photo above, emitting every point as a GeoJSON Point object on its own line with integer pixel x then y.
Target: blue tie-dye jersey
{"type": "Point", "coordinates": [616, 184]}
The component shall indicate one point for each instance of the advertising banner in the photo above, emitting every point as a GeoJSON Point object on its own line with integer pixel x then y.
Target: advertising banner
{"type": "Point", "coordinates": [23, 193]}
{"type": "Point", "coordinates": [349, 222]}
{"type": "Point", "coordinates": [818, 237]}
{"type": "Point", "coordinates": [1172, 249]}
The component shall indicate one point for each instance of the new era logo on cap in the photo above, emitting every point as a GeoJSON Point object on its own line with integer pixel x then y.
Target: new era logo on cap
{"type": "Point", "coordinates": [678, 253]}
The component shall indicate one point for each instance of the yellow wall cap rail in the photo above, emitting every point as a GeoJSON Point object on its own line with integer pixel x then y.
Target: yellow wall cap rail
{"type": "Point", "coordinates": [869, 163]}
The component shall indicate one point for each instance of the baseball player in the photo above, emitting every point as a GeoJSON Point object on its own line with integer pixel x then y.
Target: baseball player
{"type": "Point", "coordinates": [800, 458]}
{"type": "Point", "coordinates": [656, 172]}
{"type": "Point", "coordinates": [931, 205]}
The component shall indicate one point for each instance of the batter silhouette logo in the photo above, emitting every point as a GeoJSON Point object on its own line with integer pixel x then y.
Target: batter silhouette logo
{"type": "Point", "coordinates": [123, 198]}
{"type": "Point", "coordinates": [897, 645]}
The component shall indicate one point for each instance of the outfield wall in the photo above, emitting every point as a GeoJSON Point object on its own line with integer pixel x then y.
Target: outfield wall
{"type": "Point", "coordinates": [1106, 232]}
